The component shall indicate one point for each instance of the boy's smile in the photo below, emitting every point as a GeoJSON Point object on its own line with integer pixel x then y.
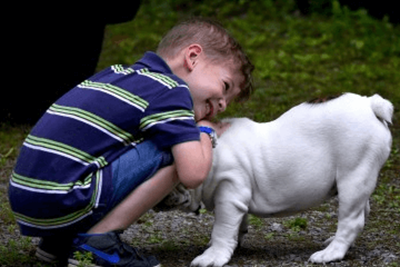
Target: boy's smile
{"type": "Point", "coordinates": [213, 84]}
{"type": "Point", "coordinates": [212, 87]}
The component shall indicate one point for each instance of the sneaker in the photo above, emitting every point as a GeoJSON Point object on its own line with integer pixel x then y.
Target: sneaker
{"type": "Point", "coordinates": [108, 250]}
{"type": "Point", "coordinates": [54, 249]}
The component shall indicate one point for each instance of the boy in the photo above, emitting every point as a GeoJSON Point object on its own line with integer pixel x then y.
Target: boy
{"type": "Point", "coordinates": [119, 142]}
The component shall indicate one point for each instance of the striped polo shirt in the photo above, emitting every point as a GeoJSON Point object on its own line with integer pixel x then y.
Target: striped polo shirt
{"type": "Point", "coordinates": [63, 171]}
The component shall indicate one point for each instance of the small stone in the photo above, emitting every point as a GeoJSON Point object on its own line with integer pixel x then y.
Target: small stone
{"type": "Point", "coordinates": [277, 227]}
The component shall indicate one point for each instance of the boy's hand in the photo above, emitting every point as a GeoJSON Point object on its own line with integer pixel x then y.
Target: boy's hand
{"type": "Point", "coordinates": [219, 127]}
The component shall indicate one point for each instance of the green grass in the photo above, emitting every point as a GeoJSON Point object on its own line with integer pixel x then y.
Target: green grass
{"type": "Point", "coordinates": [297, 58]}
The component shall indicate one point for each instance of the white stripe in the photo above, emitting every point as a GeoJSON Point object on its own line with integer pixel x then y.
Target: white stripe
{"type": "Point", "coordinates": [184, 86]}
{"type": "Point", "coordinates": [112, 94]}
{"type": "Point", "coordinates": [48, 191]}
{"type": "Point", "coordinates": [99, 189]}
{"type": "Point", "coordinates": [88, 123]}
{"type": "Point", "coordinates": [48, 150]}
{"type": "Point", "coordinates": [93, 125]}
{"type": "Point", "coordinates": [154, 78]}
{"type": "Point", "coordinates": [165, 121]}
{"type": "Point", "coordinates": [161, 81]}
{"type": "Point", "coordinates": [35, 147]}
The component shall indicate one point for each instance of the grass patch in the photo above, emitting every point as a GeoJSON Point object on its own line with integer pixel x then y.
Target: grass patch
{"type": "Point", "coordinates": [297, 224]}
{"type": "Point", "coordinates": [16, 252]}
{"type": "Point", "coordinates": [84, 259]}
{"type": "Point", "coordinates": [255, 221]}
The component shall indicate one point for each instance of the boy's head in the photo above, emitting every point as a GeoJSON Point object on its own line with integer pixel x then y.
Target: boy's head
{"type": "Point", "coordinates": [205, 46]}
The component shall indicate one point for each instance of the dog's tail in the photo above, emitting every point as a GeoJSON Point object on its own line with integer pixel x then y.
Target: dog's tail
{"type": "Point", "coordinates": [382, 108]}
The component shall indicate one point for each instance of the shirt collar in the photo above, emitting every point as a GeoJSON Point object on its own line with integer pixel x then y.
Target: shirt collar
{"type": "Point", "coordinates": [154, 62]}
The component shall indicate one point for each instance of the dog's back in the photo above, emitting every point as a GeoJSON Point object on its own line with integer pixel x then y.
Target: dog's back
{"type": "Point", "coordinates": [310, 147]}
{"type": "Point", "coordinates": [350, 123]}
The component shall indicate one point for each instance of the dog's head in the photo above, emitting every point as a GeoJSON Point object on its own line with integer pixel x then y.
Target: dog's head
{"type": "Point", "coordinates": [188, 200]}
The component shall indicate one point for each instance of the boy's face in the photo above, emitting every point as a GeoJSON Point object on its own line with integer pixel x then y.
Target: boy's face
{"type": "Point", "coordinates": [213, 86]}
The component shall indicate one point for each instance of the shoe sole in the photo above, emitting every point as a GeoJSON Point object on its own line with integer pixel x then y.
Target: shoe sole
{"type": "Point", "coordinates": [44, 256]}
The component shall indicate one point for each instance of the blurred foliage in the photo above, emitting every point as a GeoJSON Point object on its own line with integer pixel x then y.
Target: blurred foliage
{"type": "Point", "coordinates": [297, 57]}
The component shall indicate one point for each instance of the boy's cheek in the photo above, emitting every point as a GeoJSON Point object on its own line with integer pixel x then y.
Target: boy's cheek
{"type": "Point", "coordinates": [197, 116]}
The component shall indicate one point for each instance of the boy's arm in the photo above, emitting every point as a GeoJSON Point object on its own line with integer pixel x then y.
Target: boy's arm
{"type": "Point", "coordinates": [193, 159]}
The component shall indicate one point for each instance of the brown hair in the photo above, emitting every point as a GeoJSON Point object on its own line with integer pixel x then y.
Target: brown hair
{"type": "Point", "coordinates": [217, 43]}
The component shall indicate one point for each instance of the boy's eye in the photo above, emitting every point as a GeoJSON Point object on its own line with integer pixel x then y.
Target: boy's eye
{"type": "Point", "coordinates": [226, 86]}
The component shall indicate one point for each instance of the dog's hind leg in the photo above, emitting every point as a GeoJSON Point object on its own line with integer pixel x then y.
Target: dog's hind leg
{"type": "Point", "coordinates": [366, 214]}
{"type": "Point", "coordinates": [230, 209]}
{"type": "Point", "coordinates": [354, 190]}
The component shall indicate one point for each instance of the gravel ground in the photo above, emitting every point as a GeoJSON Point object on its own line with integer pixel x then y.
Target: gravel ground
{"type": "Point", "coordinates": [176, 238]}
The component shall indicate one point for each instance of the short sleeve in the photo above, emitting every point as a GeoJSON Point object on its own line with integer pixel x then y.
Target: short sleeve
{"type": "Point", "coordinates": [169, 119]}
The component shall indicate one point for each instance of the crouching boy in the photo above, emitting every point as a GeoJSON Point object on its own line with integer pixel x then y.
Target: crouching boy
{"type": "Point", "coordinates": [116, 144]}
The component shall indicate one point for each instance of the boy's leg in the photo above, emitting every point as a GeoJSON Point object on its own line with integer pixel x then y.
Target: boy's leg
{"type": "Point", "coordinates": [141, 178]}
{"type": "Point", "coordinates": [138, 202]}
{"type": "Point", "coordinates": [103, 240]}
{"type": "Point", "coordinates": [132, 195]}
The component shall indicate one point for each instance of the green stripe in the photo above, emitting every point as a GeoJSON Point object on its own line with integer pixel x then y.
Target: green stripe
{"type": "Point", "coordinates": [66, 149]}
{"type": "Point", "coordinates": [65, 219]}
{"type": "Point", "coordinates": [128, 96]}
{"type": "Point", "coordinates": [118, 68]}
{"type": "Point", "coordinates": [165, 116]}
{"type": "Point", "coordinates": [121, 69]}
{"type": "Point", "coordinates": [92, 118]}
{"type": "Point", "coordinates": [63, 148]}
{"type": "Point", "coordinates": [165, 79]}
{"type": "Point", "coordinates": [47, 185]}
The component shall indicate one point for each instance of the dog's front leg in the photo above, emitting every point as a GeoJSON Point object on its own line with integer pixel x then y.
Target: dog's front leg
{"type": "Point", "coordinates": [230, 208]}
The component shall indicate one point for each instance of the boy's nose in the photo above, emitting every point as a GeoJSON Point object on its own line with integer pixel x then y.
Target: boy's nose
{"type": "Point", "coordinates": [221, 105]}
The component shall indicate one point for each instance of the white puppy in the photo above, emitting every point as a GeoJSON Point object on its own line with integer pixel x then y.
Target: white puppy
{"type": "Point", "coordinates": [278, 168]}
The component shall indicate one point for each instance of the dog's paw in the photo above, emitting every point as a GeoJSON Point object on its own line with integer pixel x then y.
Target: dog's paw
{"type": "Point", "coordinates": [211, 258]}
{"type": "Point", "coordinates": [334, 252]}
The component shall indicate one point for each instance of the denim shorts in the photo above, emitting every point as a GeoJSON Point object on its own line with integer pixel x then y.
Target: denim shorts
{"type": "Point", "coordinates": [135, 167]}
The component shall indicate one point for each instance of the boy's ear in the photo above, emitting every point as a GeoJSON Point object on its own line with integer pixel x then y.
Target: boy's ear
{"type": "Point", "coordinates": [192, 56]}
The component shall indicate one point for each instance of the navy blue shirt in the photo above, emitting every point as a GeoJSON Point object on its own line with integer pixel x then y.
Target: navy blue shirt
{"type": "Point", "coordinates": [63, 171]}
